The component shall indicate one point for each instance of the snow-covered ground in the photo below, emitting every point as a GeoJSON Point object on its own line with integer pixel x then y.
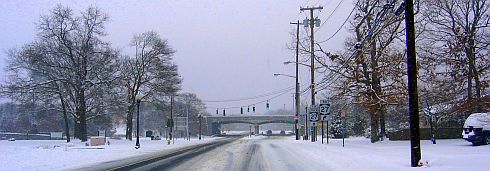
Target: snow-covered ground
{"type": "Point", "coordinates": [360, 154]}
{"type": "Point", "coordinates": [269, 153]}
{"type": "Point", "coordinates": [59, 155]}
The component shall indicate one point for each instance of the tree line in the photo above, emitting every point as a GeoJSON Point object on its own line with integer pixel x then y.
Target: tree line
{"type": "Point", "coordinates": [72, 72]}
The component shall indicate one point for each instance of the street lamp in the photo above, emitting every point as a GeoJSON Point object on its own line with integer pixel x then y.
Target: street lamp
{"type": "Point", "coordinates": [284, 75]}
{"type": "Point", "coordinates": [138, 101]}
{"type": "Point", "coordinates": [291, 62]}
{"type": "Point", "coordinates": [296, 97]}
{"type": "Point", "coordinates": [299, 63]}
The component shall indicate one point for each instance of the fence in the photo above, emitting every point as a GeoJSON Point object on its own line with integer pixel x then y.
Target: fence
{"type": "Point", "coordinates": [26, 136]}
{"type": "Point", "coordinates": [441, 133]}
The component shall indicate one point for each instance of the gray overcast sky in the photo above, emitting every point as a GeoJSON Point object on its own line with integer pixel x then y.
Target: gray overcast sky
{"type": "Point", "coordinates": [225, 49]}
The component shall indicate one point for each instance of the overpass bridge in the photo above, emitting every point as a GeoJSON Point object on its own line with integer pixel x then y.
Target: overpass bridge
{"type": "Point", "coordinates": [214, 122]}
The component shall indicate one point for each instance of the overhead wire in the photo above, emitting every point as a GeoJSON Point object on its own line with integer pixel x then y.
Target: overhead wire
{"type": "Point", "coordinates": [251, 104]}
{"type": "Point", "coordinates": [329, 16]}
{"type": "Point", "coordinates": [252, 97]}
{"type": "Point", "coordinates": [378, 18]}
{"type": "Point", "coordinates": [341, 26]}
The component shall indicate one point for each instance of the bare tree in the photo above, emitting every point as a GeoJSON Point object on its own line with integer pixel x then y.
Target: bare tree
{"type": "Point", "coordinates": [149, 74]}
{"type": "Point", "coordinates": [457, 40]}
{"type": "Point", "coordinates": [371, 70]}
{"type": "Point", "coordinates": [70, 61]}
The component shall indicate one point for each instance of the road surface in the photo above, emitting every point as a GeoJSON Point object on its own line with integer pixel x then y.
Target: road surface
{"type": "Point", "coordinates": [255, 154]}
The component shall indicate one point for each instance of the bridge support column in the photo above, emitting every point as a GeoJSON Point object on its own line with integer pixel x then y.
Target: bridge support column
{"type": "Point", "coordinates": [257, 130]}
{"type": "Point", "coordinates": [214, 128]}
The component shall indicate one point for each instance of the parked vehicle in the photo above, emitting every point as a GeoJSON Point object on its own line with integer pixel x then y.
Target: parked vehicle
{"type": "Point", "coordinates": [476, 129]}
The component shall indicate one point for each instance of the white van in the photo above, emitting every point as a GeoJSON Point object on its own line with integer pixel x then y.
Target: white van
{"type": "Point", "coordinates": [476, 128]}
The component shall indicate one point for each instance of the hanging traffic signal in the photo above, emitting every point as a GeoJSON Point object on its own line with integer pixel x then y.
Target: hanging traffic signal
{"type": "Point", "coordinates": [253, 108]}
{"type": "Point", "coordinates": [224, 112]}
{"type": "Point", "coordinates": [248, 109]}
{"type": "Point", "coordinates": [241, 110]}
{"type": "Point", "coordinates": [267, 105]}
{"type": "Point", "coordinates": [216, 110]}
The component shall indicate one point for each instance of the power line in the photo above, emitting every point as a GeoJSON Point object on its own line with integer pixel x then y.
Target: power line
{"type": "Point", "coordinates": [378, 18]}
{"type": "Point", "coordinates": [252, 97]}
{"type": "Point", "coordinates": [340, 28]}
{"type": "Point", "coordinates": [329, 16]}
{"type": "Point", "coordinates": [235, 107]}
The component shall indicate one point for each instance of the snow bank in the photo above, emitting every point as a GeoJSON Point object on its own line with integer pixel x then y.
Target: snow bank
{"type": "Point", "coordinates": [59, 155]}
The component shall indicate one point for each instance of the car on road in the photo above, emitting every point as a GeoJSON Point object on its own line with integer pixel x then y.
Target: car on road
{"type": "Point", "coordinates": [269, 132]}
{"type": "Point", "coordinates": [476, 129]}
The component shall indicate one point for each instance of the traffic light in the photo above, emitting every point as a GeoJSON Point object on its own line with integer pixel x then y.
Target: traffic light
{"type": "Point", "coordinates": [253, 108]}
{"type": "Point", "coordinates": [267, 105]}
{"type": "Point", "coordinates": [224, 112]}
{"type": "Point", "coordinates": [248, 109]}
{"type": "Point", "coordinates": [216, 110]}
{"type": "Point", "coordinates": [241, 110]}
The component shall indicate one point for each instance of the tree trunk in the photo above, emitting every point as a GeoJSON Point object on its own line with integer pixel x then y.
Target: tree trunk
{"type": "Point", "coordinates": [375, 92]}
{"type": "Point", "coordinates": [470, 77]}
{"type": "Point", "coordinates": [479, 105]}
{"type": "Point", "coordinates": [474, 73]}
{"type": "Point", "coordinates": [65, 118]}
{"type": "Point", "coordinates": [374, 126]}
{"type": "Point", "coordinates": [129, 122]}
{"type": "Point", "coordinates": [382, 122]}
{"type": "Point", "coordinates": [83, 116]}
{"type": "Point", "coordinates": [76, 128]}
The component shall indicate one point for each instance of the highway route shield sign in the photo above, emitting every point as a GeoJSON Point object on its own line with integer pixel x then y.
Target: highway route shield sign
{"type": "Point", "coordinates": [313, 116]}
{"type": "Point", "coordinates": [324, 109]}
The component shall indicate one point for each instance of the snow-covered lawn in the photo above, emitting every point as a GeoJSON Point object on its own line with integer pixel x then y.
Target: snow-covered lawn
{"type": "Point", "coordinates": [59, 155]}
{"type": "Point", "coordinates": [360, 154]}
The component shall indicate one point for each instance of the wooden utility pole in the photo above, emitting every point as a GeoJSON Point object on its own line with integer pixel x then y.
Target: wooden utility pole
{"type": "Point", "coordinates": [413, 105]}
{"type": "Point", "coordinates": [311, 22]}
{"type": "Point", "coordinates": [296, 96]}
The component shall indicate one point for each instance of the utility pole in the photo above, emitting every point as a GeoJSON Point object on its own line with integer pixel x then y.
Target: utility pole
{"type": "Point", "coordinates": [413, 107]}
{"type": "Point", "coordinates": [312, 21]}
{"type": "Point", "coordinates": [296, 96]}
{"type": "Point", "coordinates": [306, 123]}
{"type": "Point", "coordinates": [200, 120]}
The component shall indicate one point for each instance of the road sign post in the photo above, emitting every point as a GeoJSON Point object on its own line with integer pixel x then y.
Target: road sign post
{"type": "Point", "coordinates": [324, 110]}
{"type": "Point", "coordinates": [314, 117]}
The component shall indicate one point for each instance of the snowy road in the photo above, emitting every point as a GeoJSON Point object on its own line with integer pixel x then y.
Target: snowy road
{"type": "Point", "coordinates": [257, 153]}
{"type": "Point", "coordinates": [243, 154]}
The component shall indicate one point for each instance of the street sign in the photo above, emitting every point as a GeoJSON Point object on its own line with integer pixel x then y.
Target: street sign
{"type": "Point", "coordinates": [313, 116]}
{"type": "Point", "coordinates": [324, 108]}
{"type": "Point", "coordinates": [324, 117]}
{"type": "Point", "coordinates": [313, 108]}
